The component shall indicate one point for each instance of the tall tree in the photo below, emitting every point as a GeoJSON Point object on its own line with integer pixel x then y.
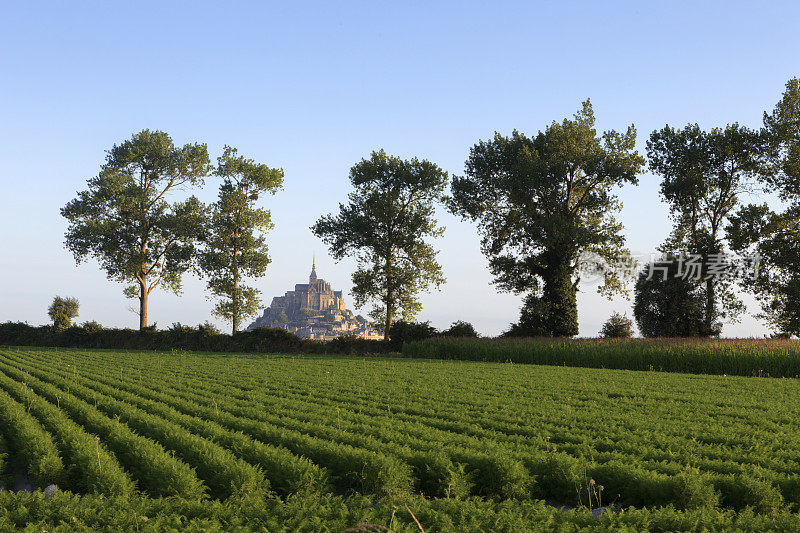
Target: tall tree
{"type": "Point", "coordinates": [775, 235]}
{"type": "Point", "coordinates": [384, 226]}
{"type": "Point", "coordinates": [125, 221]}
{"type": "Point", "coordinates": [542, 203]}
{"type": "Point", "coordinates": [234, 241]}
{"type": "Point", "coordinates": [703, 175]}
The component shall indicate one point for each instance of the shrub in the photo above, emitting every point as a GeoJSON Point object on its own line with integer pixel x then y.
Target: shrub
{"type": "Point", "coordinates": [90, 327]}
{"type": "Point", "coordinates": [459, 328]}
{"type": "Point", "coordinates": [402, 332]}
{"type": "Point", "coordinates": [617, 327]}
{"type": "Point", "coordinates": [62, 311]}
{"type": "Point", "coordinates": [207, 329]}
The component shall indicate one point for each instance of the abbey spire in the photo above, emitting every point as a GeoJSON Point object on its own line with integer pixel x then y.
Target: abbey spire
{"type": "Point", "coordinates": [312, 279]}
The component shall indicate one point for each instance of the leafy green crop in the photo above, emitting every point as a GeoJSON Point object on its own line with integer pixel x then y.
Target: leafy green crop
{"type": "Point", "coordinates": [225, 425]}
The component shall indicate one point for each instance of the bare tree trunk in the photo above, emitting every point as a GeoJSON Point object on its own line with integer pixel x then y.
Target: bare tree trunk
{"type": "Point", "coordinates": [143, 294]}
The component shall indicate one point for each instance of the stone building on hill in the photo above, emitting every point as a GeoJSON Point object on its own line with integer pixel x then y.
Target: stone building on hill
{"type": "Point", "coordinates": [314, 310]}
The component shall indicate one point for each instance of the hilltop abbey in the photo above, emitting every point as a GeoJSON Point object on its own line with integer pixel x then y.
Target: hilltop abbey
{"type": "Point", "coordinates": [314, 311]}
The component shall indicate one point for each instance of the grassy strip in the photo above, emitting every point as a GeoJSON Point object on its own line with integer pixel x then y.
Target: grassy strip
{"type": "Point", "coordinates": [155, 470]}
{"type": "Point", "coordinates": [756, 357]}
{"type": "Point", "coordinates": [31, 443]}
{"type": "Point", "coordinates": [90, 468]}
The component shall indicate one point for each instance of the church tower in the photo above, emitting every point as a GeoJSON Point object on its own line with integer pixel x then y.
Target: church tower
{"type": "Point", "coordinates": [312, 279]}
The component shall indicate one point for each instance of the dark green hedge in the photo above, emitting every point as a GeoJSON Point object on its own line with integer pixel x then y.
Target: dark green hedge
{"type": "Point", "coordinates": [262, 340]}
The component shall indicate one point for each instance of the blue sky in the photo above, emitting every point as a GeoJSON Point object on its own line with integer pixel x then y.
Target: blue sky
{"type": "Point", "coordinates": [314, 87]}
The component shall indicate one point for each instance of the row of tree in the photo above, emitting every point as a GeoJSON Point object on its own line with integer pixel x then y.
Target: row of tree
{"type": "Point", "coordinates": [126, 221]}
{"type": "Point", "coordinates": [545, 203]}
{"type": "Point", "coordinates": [542, 205]}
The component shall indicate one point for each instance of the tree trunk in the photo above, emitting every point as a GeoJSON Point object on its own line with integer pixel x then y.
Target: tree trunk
{"type": "Point", "coordinates": [143, 295]}
{"type": "Point", "coordinates": [388, 322]}
{"type": "Point", "coordinates": [560, 295]}
{"type": "Point", "coordinates": [555, 312]}
{"type": "Point", "coordinates": [235, 310]}
{"type": "Point", "coordinates": [389, 299]}
{"type": "Point", "coordinates": [710, 298]}
{"type": "Point", "coordinates": [235, 299]}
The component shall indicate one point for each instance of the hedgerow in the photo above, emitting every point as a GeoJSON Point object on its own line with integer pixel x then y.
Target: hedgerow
{"type": "Point", "coordinates": [261, 340]}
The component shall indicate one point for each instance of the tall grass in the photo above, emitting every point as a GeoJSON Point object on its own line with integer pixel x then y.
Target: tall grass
{"type": "Point", "coordinates": [742, 357]}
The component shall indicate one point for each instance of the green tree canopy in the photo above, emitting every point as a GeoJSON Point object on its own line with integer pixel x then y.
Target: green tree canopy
{"type": "Point", "coordinates": [757, 230]}
{"type": "Point", "coordinates": [384, 225]}
{"type": "Point", "coordinates": [234, 245]}
{"type": "Point", "coordinates": [542, 203]}
{"type": "Point", "coordinates": [782, 133]}
{"type": "Point", "coordinates": [62, 311]}
{"type": "Point", "coordinates": [125, 221]}
{"type": "Point", "coordinates": [703, 176]}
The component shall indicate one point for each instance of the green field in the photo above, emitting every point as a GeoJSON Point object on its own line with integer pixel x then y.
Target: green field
{"type": "Point", "coordinates": [328, 442]}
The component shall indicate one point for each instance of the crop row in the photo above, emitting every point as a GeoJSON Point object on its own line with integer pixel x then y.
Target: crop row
{"type": "Point", "coordinates": [434, 463]}
{"type": "Point", "coordinates": [662, 446]}
{"type": "Point", "coordinates": [352, 469]}
{"type": "Point", "coordinates": [35, 446]}
{"type": "Point", "coordinates": [155, 470]}
{"type": "Point", "coordinates": [493, 473]}
{"type": "Point", "coordinates": [224, 473]}
{"type": "Point", "coordinates": [90, 466]}
{"type": "Point", "coordinates": [621, 440]}
{"type": "Point", "coordinates": [64, 511]}
{"type": "Point", "coordinates": [290, 474]}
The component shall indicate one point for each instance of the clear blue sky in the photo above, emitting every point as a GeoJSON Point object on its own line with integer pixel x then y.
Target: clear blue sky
{"type": "Point", "coordinates": [313, 89]}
